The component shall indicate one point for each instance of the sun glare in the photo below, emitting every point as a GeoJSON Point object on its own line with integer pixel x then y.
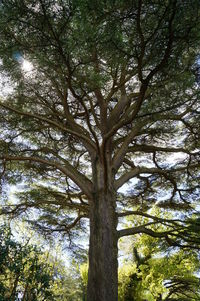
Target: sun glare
{"type": "Point", "coordinates": [27, 66]}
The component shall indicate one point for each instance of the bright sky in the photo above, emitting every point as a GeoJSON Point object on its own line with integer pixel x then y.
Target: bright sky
{"type": "Point", "coordinates": [26, 66]}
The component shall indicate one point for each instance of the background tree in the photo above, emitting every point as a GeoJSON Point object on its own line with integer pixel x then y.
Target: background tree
{"type": "Point", "coordinates": [24, 273]}
{"type": "Point", "coordinates": [111, 97]}
{"type": "Point", "coordinates": [29, 274]}
{"type": "Point", "coordinates": [157, 272]}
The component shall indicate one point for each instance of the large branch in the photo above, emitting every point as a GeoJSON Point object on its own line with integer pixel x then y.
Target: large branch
{"type": "Point", "coordinates": [81, 101]}
{"type": "Point", "coordinates": [128, 116]}
{"type": "Point", "coordinates": [145, 82]}
{"type": "Point", "coordinates": [125, 148]}
{"type": "Point", "coordinates": [153, 170]}
{"type": "Point", "coordinates": [151, 148]}
{"type": "Point", "coordinates": [62, 227]}
{"type": "Point", "coordinates": [22, 207]}
{"type": "Point", "coordinates": [86, 140]}
{"type": "Point", "coordinates": [144, 230]}
{"type": "Point", "coordinates": [168, 49]}
{"type": "Point", "coordinates": [124, 101]}
{"type": "Point", "coordinates": [120, 154]}
{"type": "Point", "coordinates": [136, 170]}
{"type": "Point", "coordinates": [190, 243]}
{"type": "Point", "coordinates": [84, 183]}
{"type": "Point", "coordinates": [126, 177]}
{"type": "Point", "coordinates": [158, 219]}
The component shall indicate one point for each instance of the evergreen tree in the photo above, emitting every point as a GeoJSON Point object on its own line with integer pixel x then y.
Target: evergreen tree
{"type": "Point", "coordinates": [104, 93]}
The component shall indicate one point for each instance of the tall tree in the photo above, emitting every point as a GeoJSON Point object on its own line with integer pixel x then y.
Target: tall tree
{"type": "Point", "coordinates": [111, 96]}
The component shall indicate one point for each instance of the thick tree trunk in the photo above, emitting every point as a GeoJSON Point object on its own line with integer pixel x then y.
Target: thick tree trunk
{"type": "Point", "coordinates": [103, 263]}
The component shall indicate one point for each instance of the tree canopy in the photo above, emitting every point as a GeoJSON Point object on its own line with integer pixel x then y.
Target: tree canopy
{"type": "Point", "coordinates": [110, 97]}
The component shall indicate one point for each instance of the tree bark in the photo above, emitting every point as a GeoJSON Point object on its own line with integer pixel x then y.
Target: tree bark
{"type": "Point", "coordinates": [103, 263]}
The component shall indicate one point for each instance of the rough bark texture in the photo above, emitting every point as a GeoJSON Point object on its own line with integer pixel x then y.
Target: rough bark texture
{"type": "Point", "coordinates": [103, 264]}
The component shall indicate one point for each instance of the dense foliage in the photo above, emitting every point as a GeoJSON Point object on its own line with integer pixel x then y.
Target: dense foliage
{"type": "Point", "coordinates": [23, 274]}
{"type": "Point", "coordinates": [29, 274]}
{"type": "Point", "coordinates": [105, 96]}
{"type": "Point", "coordinates": [158, 273]}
